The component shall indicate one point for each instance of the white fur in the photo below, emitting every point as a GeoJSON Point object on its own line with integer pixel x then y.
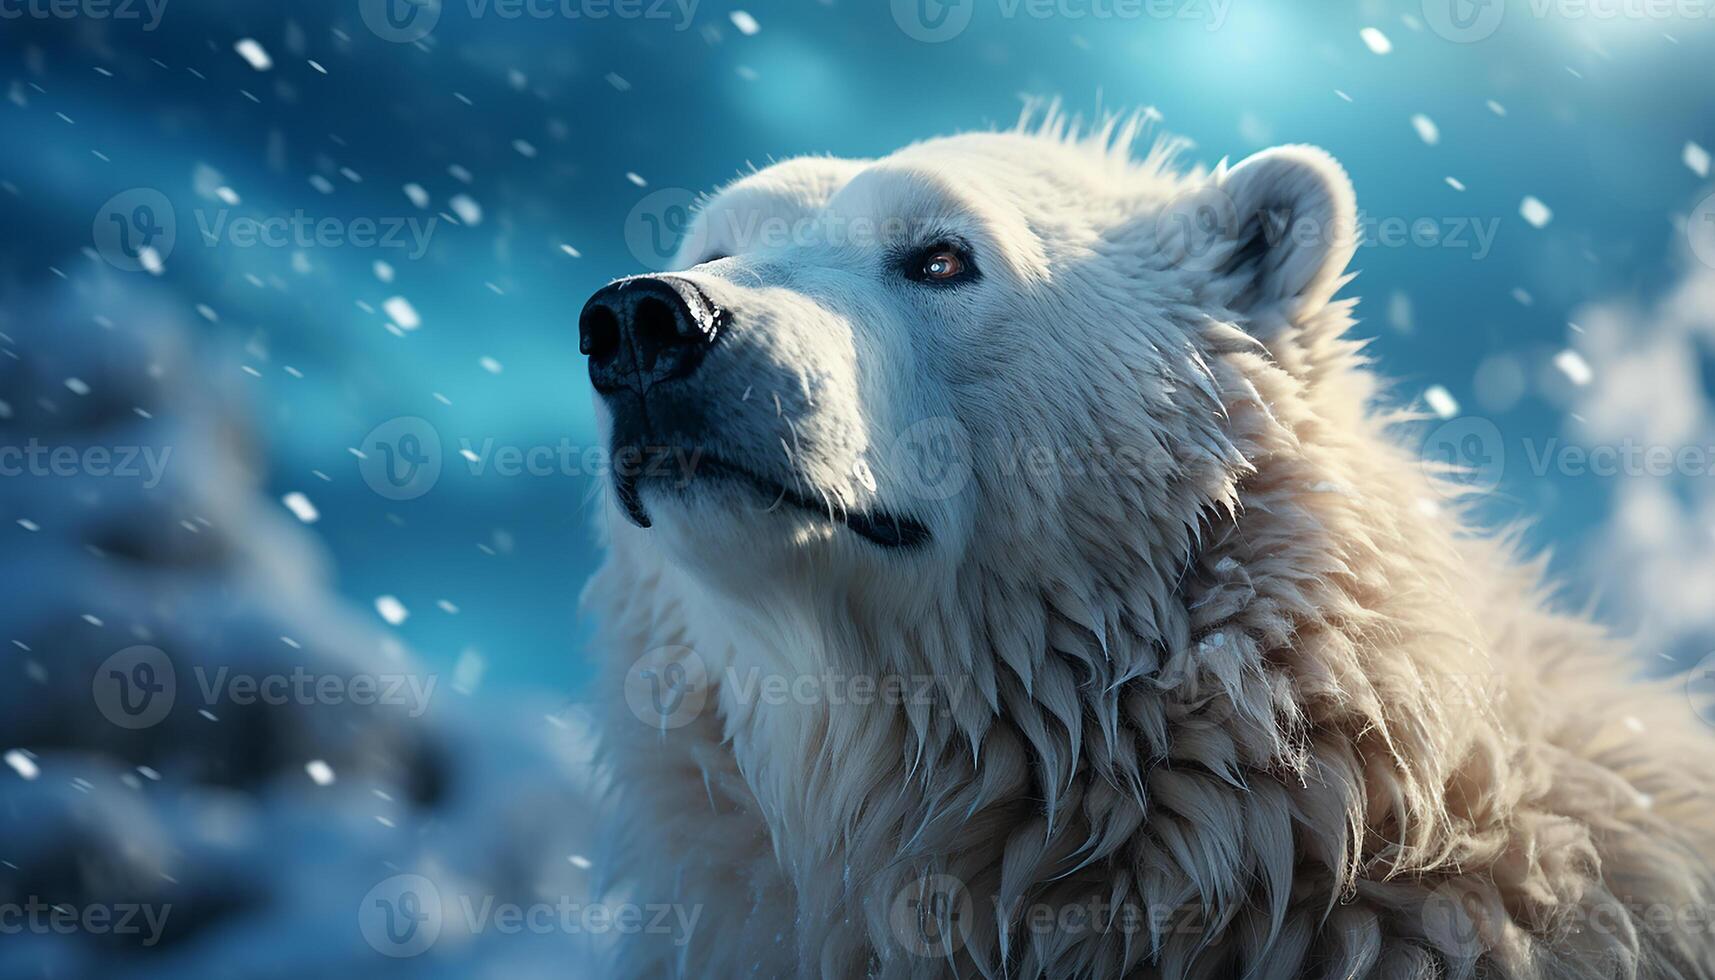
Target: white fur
{"type": "Point", "coordinates": [1256, 679]}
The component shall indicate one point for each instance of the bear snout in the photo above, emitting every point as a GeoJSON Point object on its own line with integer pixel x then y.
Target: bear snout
{"type": "Point", "coordinates": [645, 330]}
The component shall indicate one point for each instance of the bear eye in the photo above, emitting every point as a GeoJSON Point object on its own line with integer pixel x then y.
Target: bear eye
{"type": "Point", "coordinates": [941, 264]}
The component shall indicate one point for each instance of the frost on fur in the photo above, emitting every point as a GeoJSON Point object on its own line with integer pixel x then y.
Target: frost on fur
{"type": "Point", "coordinates": [1255, 703]}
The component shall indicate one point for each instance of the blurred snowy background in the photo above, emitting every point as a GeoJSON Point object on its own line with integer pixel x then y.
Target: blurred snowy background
{"type": "Point", "coordinates": [315, 268]}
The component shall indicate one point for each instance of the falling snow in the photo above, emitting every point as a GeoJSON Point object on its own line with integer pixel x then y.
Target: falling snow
{"type": "Point", "coordinates": [1572, 364]}
{"type": "Point", "coordinates": [1441, 402]}
{"type": "Point", "coordinates": [1696, 158]}
{"type": "Point", "coordinates": [22, 764]}
{"type": "Point", "coordinates": [252, 51]}
{"type": "Point", "coordinates": [391, 610]}
{"type": "Point", "coordinates": [505, 173]}
{"type": "Point", "coordinates": [301, 507]}
{"type": "Point", "coordinates": [401, 312]}
{"type": "Point", "coordinates": [1426, 129]}
{"type": "Point", "coordinates": [466, 208]}
{"type": "Point", "coordinates": [1535, 212]}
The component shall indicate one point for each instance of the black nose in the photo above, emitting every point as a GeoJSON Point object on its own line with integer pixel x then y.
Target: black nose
{"type": "Point", "coordinates": [640, 332]}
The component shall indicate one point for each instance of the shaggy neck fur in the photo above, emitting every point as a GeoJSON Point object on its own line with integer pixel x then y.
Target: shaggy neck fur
{"type": "Point", "coordinates": [1312, 728]}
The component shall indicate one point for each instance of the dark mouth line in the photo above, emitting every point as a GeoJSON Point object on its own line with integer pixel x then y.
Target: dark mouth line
{"type": "Point", "coordinates": [882, 529]}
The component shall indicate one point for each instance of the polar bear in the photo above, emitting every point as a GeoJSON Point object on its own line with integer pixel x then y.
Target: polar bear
{"type": "Point", "coordinates": [1049, 597]}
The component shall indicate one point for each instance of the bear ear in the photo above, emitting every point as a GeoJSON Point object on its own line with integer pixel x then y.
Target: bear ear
{"type": "Point", "coordinates": [1291, 216]}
